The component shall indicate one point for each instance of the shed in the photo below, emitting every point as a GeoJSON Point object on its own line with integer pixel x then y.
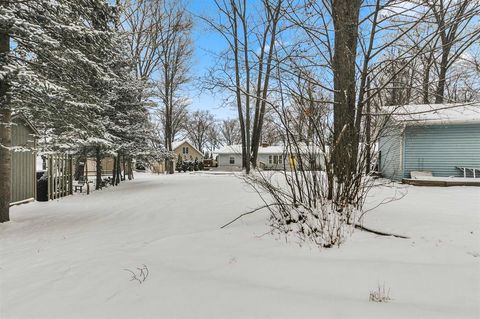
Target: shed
{"type": "Point", "coordinates": [24, 181]}
{"type": "Point", "coordinates": [437, 138]}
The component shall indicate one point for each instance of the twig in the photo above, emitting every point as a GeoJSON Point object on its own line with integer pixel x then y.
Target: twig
{"type": "Point", "coordinates": [377, 232]}
{"type": "Point", "coordinates": [248, 213]}
{"type": "Point", "coordinates": [142, 276]}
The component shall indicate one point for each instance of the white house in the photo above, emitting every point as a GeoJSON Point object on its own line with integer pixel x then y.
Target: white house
{"type": "Point", "coordinates": [269, 157]}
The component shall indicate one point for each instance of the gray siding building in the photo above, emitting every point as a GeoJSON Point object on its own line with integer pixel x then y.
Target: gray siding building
{"type": "Point", "coordinates": [431, 138]}
{"type": "Point", "coordinates": [24, 183]}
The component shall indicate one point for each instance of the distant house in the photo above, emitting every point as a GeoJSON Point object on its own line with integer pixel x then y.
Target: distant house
{"type": "Point", "coordinates": [187, 151]}
{"type": "Point", "coordinates": [24, 181]}
{"type": "Point", "coordinates": [269, 157]}
{"type": "Point", "coordinates": [438, 139]}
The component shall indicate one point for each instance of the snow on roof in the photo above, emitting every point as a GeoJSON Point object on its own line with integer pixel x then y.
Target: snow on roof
{"type": "Point", "coordinates": [229, 149]}
{"type": "Point", "coordinates": [436, 113]}
{"type": "Point", "coordinates": [273, 149]}
{"type": "Point", "coordinates": [177, 144]}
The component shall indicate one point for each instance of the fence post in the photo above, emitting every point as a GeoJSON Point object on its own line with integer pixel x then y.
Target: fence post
{"type": "Point", "coordinates": [70, 166]}
{"type": "Point", "coordinates": [49, 173]}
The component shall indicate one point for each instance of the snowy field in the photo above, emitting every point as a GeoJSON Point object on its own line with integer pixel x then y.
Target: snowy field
{"type": "Point", "coordinates": [72, 258]}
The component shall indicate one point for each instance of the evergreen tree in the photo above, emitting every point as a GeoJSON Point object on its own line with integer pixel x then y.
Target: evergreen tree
{"type": "Point", "coordinates": [179, 164]}
{"type": "Point", "coordinates": [51, 69]}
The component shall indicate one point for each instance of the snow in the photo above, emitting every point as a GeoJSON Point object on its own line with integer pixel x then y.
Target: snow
{"type": "Point", "coordinates": [271, 149]}
{"type": "Point", "coordinates": [67, 258]}
{"type": "Point", "coordinates": [459, 113]}
{"type": "Point", "coordinates": [450, 179]}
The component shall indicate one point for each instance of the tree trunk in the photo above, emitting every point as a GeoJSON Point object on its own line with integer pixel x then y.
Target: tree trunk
{"type": "Point", "coordinates": [245, 151]}
{"type": "Point", "coordinates": [247, 87]}
{"type": "Point", "coordinates": [345, 18]}
{"type": "Point", "coordinates": [130, 170]}
{"type": "Point", "coordinates": [5, 132]}
{"type": "Point", "coordinates": [114, 171]}
{"type": "Point", "coordinates": [258, 131]}
{"type": "Point", "coordinates": [5, 159]}
{"type": "Point", "coordinates": [440, 93]}
{"type": "Point", "coordinates": [118, 170]}
{"type": "Point", "coordinates": [426, 80]}
{"type": "Point", "coordinates": [258, 96]}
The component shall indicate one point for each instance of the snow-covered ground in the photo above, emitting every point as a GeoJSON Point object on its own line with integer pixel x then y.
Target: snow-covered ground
{"type": "Point", "coordinates": [70, 258]}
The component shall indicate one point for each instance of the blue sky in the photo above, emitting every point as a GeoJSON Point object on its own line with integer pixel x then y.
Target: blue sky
{"type": "Point", "coordinates": [205, 41]}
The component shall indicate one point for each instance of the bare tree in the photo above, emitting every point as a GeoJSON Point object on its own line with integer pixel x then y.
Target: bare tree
{"type": "Point", "coordinates": [251, 34]}
{"type": "Point", "coordinates": [431, 61]}
{"type": "Point", "coordinates": [324, 183]}
{"type": "Point", "coordinates": [458, 29]}
{"type": "Point", "coordinates": [142, 21]}
{"type": "Point", "coordinates": [175, 53]}
{"type": "Point", "coordinates": [230, 132]}
{"type": "Point", "coordinates": [179, 119]}
{"type": "Point", "coordinates": [213, 137]}
{"type": "Point", "coordinates": [271, 134]}
{"type": "Point", "coordinates": [199, 128]}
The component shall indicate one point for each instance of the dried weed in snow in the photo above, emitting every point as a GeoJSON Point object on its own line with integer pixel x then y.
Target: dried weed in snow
{"type": "Point", "coordinates": [381, 294]}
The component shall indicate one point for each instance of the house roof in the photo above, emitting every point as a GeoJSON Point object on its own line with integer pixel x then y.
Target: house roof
{"type": "Point", "coordinates": [18, 115]}
{"type": "Point", "coordinates": [426, 114]}
{"type": "Point", "coordinates": [177, 144]}
{"type": "Point", "coordinates": [274, 149]}
{"type": "Point", "coordinates": [237, 149]}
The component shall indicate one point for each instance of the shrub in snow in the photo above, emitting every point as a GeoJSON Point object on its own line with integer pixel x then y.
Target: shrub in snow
{"type": "Point", "coordinates": [297, 212]}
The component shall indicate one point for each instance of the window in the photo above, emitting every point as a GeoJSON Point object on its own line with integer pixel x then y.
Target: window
{"type": "Point", "coordinates": [280, 159]}
{"type": "Point", "coordinates": [232, 160]}
{"type": "Point", "coordinates": [270, 161]}
{"type": "Point", "coordinates": [185, 150]}
{"type": "Point", "coordinates": [275, 159]}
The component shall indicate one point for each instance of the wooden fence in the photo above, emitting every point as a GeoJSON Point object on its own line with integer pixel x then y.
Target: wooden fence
{"type": "Point", "coordinates": [60, 175]}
